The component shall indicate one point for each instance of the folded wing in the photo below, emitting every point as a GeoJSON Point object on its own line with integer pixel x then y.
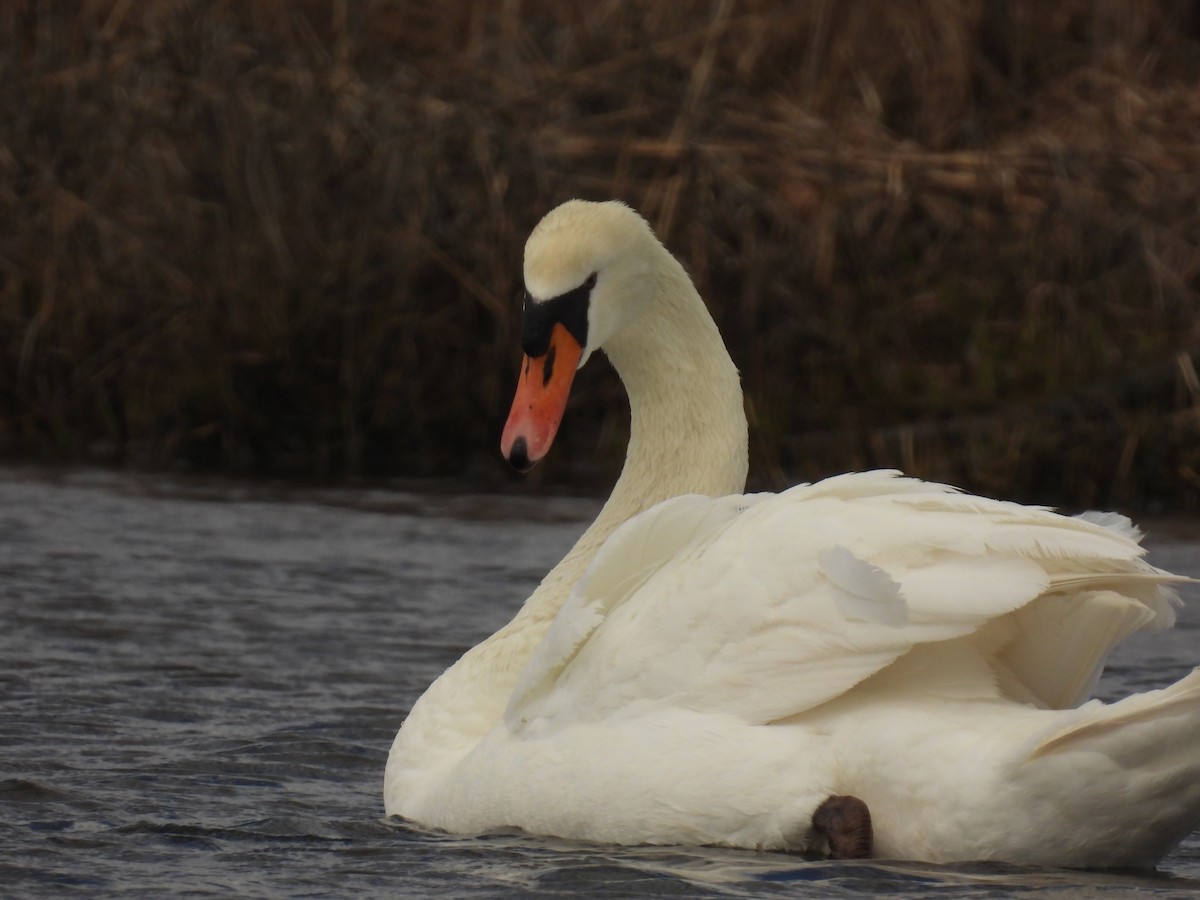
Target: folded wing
{"type": "Point", "coordinates": [763, 607]}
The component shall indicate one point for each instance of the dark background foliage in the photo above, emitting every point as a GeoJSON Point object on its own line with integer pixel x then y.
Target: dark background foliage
{"type": "Point", "coordinates": [961, 237]}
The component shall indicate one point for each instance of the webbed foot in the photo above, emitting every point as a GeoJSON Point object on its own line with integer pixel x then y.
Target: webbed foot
{"type": "Point", "coordinates": [846, 823]}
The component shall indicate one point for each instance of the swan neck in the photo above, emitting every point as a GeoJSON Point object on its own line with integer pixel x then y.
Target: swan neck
{"type": "Point", "coordinates": [687, 436]}
{"type": "Point", "coordinates": [688, 432]}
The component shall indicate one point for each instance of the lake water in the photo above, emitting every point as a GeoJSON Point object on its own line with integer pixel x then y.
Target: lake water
{"type": "Point", "coordinates": [199, 683]}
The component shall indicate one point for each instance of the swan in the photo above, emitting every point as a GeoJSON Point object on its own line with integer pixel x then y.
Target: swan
{"type": "Point", "coordinates": [867, 665]}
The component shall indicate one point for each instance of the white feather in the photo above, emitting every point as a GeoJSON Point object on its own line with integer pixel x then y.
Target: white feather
{"type": "Point", "coordinates": [862, 591]}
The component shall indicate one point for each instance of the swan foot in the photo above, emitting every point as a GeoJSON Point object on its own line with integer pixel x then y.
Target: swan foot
{"type": "Point", "coordinates": [845, 822]}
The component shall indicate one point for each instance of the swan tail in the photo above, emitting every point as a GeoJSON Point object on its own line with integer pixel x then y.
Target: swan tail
{"type": "Point", "coordinates": [1129, 724]}
{"type": "Point", "coordinates": [1138, 761]}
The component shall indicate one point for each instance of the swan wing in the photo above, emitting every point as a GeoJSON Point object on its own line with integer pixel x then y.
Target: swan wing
{"type": "Point", "coordinates": [764, 607]}
{"type": "Point", "coordinates": [637, 550]}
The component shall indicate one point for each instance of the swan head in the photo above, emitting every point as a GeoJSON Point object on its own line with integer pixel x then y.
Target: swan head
{"type": "Point", "coordinates": [583, 263]}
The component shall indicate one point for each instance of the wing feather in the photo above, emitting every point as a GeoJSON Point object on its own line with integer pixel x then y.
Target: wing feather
{"type": "Point", "coordinates": [767, 606]}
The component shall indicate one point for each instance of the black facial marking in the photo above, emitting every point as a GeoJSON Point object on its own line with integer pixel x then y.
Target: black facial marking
{"type": "Point", "coordinates": [548, 371]}
{"type": "Point", "coordinates": [569, 310]}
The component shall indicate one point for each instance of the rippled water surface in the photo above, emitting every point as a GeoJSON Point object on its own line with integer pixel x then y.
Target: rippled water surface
{"type": "Point", "coordinates": [199, 684]}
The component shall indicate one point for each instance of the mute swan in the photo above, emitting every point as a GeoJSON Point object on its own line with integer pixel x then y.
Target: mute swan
{"type": "Point", "coordinates": [707, 667]}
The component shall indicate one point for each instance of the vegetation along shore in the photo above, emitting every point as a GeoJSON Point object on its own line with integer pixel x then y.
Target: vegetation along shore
{"type": "Point", "coordinates": [959, 238]}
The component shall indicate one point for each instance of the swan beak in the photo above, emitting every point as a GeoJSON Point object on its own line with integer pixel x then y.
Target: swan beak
{"type": "Point", "coordinates": [541, 400]}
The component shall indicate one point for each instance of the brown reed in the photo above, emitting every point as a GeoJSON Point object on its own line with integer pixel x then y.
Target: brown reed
{"type": "Point", "coordinates": [957, 236]}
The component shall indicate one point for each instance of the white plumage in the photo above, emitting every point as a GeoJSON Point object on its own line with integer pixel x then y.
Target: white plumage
{"type": "Point", "coordinates": [706, 667]}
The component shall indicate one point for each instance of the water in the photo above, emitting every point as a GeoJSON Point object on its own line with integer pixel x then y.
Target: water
{"type": "Point", "coordinates": [199, 684]}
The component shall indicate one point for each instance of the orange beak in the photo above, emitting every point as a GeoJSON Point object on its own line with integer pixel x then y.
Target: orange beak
{"type": "Point", "coordinates": [541, 399]}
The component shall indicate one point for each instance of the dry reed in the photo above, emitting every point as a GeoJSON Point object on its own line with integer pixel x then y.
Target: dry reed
{"type": "Point", "coordinates": [957, 236]}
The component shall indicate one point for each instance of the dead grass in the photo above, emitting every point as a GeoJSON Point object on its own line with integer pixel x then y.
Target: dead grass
{"type": "Point", "coordinates": [268, 236]}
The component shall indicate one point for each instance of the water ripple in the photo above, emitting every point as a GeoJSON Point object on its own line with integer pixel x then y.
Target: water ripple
{"type": "Point", "coordinates": [199, 684]}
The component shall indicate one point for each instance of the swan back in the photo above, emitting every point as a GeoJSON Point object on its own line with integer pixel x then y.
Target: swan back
{"type": "Point", "coordinates": [826, 585]}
